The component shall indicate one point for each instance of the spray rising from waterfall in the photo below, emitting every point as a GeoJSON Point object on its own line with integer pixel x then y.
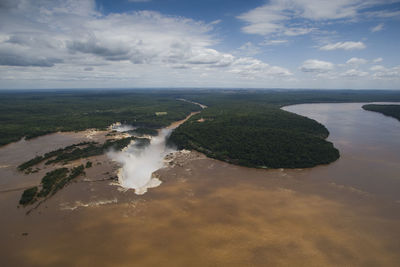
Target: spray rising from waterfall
{"type": "Point", "coordinates": [139, 163]}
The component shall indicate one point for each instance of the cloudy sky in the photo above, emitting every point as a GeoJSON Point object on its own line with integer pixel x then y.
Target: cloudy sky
{"type": "Point", "coordinates": [351, 44]}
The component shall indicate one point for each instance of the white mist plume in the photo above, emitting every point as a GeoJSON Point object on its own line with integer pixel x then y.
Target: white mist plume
{"type": "Point", "coordinates": [121, 127]}
{"type": "Point", "coordinates": [138, 164]}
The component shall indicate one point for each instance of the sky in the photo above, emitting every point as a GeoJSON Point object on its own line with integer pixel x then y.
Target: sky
{"type": "Point", "coordinates": [316, 44]}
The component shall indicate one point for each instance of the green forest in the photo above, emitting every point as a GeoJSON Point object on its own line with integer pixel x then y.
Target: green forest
{"type": "Point", "coordinates": [34, 113]}
{"type": "Point", "coordinates": [245, 127]}
{"type": "Point", "coordinates": [388, 110]}
{"type": "Point", "coordinates": [249, 128]}
{"type": "Point", "coordinates": [256, 136]}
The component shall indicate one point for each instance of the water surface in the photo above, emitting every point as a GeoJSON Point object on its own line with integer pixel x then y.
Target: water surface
{"type": "Point", "coordinates": [211, 213]}
{"type": "Point", "coordinates": [369, 145]}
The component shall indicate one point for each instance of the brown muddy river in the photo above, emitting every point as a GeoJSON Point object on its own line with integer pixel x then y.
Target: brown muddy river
{"type": "Point", "coordinates": [210, 213]}
{"type": "Point", "coordinates": [369, 145]}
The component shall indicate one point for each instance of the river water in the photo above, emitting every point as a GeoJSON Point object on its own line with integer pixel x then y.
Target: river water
{"type": "Point", "coordinates": [369, 145]}
{"type": "Point", "coordinates": [211, 213]}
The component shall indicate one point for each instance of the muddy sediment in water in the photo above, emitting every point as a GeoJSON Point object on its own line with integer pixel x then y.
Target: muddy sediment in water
{"type": "Point", "coordinates": [207, 213]}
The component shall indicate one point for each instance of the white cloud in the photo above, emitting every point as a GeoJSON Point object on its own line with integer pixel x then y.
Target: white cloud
{"type": "Point", "coordinates": [75, 33]}
{"type": "Point", "coordinates": [377, 60]}
{"type": "Point", "coordinates": [210, 57]}
{"type": "Point", "coordinates": [276, 16]}
{"type": "Point", "coordinates": [378, 68]}
{"type": "Point", "coordinates": [382, 73]}
{"type": "Point", "coordinates": [344, 46]}
{"type": "Point", "coordinates": [269, 19]}
{"type": "Point", "coordinates": [383, 14]}
{"type": "Point", "coordinates": [215, 22]}
{"type": "Point", "coordinates": [353, 73]}
{"type": "Point", "coordinates": [297, 31]}
{"type": "Point", "coordinates": [249, 49]}
{"type": "Point", "coordinates": [318, 66]}
{"type": "Point", "coordinates": [148, 47]}
{"type": "Point", "coordinates": [274, 42]}
{"type": "Point", "coordinates": [377, 28]}
{"type": "Point", "coordinates": [251, 68]}
{"type": "Point", "coordinates": [356, 61]}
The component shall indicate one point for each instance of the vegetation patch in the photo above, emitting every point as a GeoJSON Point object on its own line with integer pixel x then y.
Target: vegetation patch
{"type": "Point", "coordinates": [28, 196]}
{"type": "Point", "coordinates": [51, 183]}
{"type": "Point", "coordinates": [51, 180]}
{"type": "Point", "coordinates": [388, 110]}
{"type": "Point", "coordinates": [38, 159]}
{"type": "Point", "coordinates": [78, 151]}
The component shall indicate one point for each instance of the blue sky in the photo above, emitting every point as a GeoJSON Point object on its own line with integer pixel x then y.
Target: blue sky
{"type": "Point", "coordinates": [343, 44]}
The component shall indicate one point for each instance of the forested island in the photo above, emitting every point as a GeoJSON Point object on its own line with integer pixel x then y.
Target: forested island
{"type": "Point", "coordinates": [257, 135]}
{"type": "Point", "coordinates": [52, 182]}
{"type": "Point", "coordinates": [388, 110]}
{"type": "Point", "coordinates": [79, 151]}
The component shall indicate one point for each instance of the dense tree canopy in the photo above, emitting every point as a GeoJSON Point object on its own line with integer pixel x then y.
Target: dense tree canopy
{"type": "Point", "coordinates": [388, 110]}
{"type": "Point", "coordinates": [32, 114]}
{"type": "Point", "coordinates": [256, 136]}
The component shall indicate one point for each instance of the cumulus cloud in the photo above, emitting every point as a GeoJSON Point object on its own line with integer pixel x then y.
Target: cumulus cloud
{"type": "Point", "coordinates": [10, 59]}
{"type": "Point", "coordinates": [353, 73]}
{"type": "Point", "coordinates": [344, 46]}
{"type": "Point", "coordinates": [251, 68]}
{"type": "Point", "coordinates": [318, 66]}
{"type": "Point", "coordinates": [249, 49]}
{"type": "Point", "coordinates": [75, 31]}
{"type": "Point", "coordinates": [377, 60]}
{"type": "Point", "coordinates": [109, 52]}
{"type": "Point", "coordinates": [356, 61]}
{"type": "Point", "coordinates": [378, 68]}
{"type": "Point", "coordinates": [381, 72]}
{"type": "Point", "coordinates": [210, 57]}
{"type": "Point", "coordinates": [68, 36]}
{"type": "Point", "coordinates": [23, 56]}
